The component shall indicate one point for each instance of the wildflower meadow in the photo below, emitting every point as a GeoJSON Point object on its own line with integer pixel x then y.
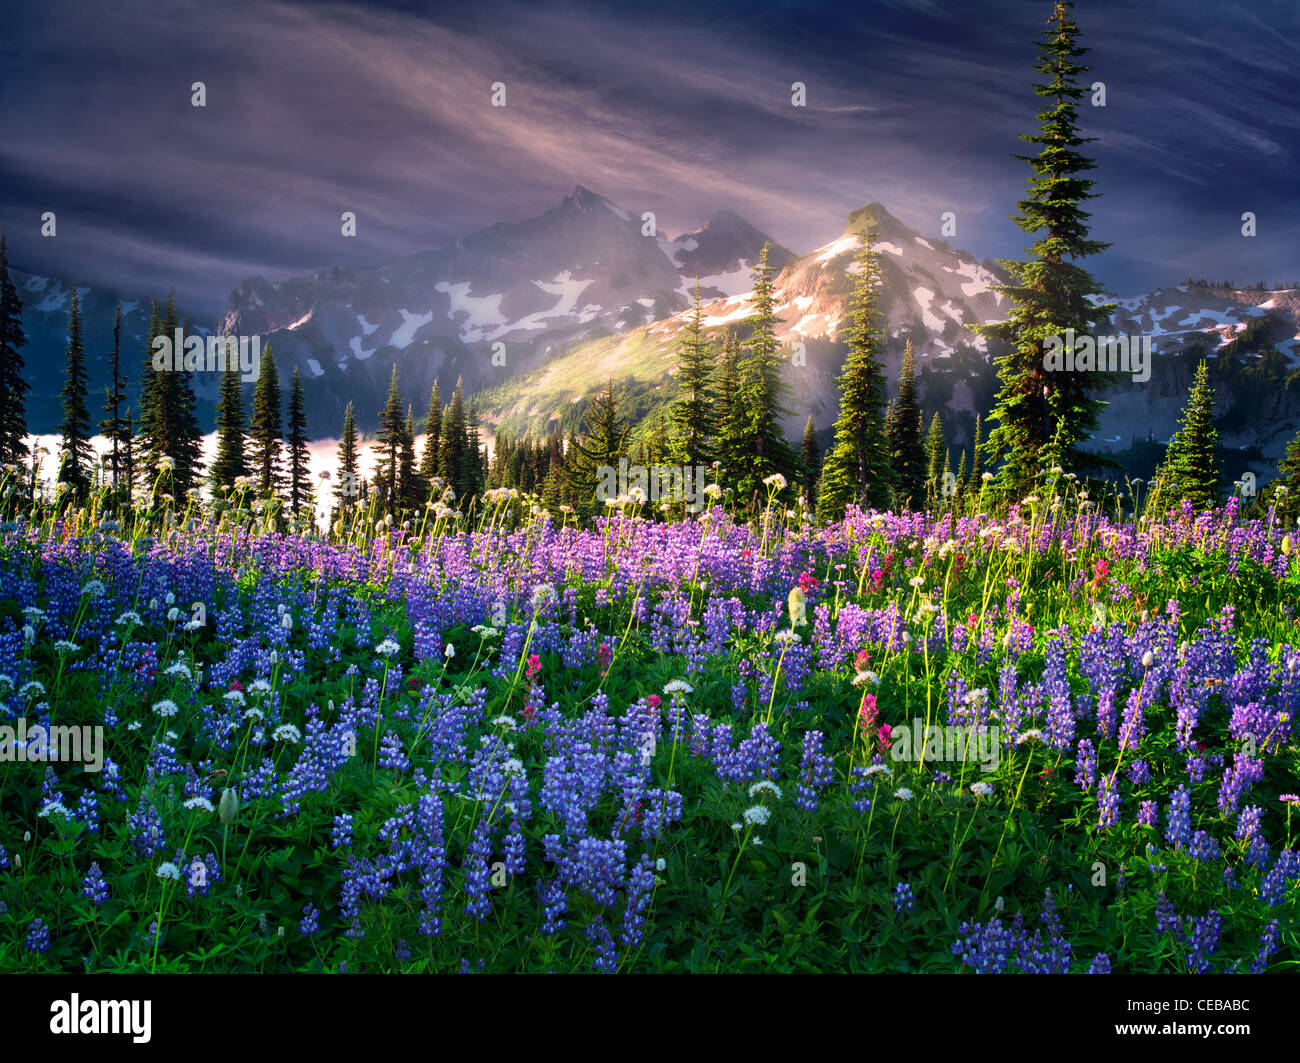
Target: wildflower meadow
{"type": "Point", "coordinates": [508, 744]}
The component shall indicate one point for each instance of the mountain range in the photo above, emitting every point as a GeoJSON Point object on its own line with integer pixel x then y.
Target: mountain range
{"type": "Point", "coordinates": [538, 315]}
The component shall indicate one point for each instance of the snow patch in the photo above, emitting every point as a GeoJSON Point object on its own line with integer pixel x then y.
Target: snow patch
{"type": "Point", "coordinates": [405, 332]}
{"type": "Point", "coordinates": [567, 287]}
{"type": "Point", "coordinates": [366, 327]}
{"type": "Point", "coordinates": [481, 312]}
{"type": "Point", "coordinates": [302, 320]}
{"type": "Point", "coordinates": [924, 297]}
{"type": "Point", "coordinates": [924, 243]}
{"type": "Point", "coordinates": [315, 368]}
{"type": "Point", "coordinates": [893, 249]}
{"type": "Point", "coordinates": [836, 248]}
{"type": "Point", "coordinates": [355, 344]}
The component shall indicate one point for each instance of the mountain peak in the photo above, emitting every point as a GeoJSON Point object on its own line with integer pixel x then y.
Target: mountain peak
{"type": "Point", "coordinates": [873, 218]}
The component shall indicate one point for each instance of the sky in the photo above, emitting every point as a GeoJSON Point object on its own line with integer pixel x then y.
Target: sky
{"type": "Point", "coordinates": [384, 109]}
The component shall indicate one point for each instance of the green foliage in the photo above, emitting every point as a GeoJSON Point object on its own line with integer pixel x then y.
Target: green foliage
{"type": "Point", "coordinates": [857, 468]}
{"type": "Point", "coordinates": [265, 433]}
{"type": "Point", "coordinates": [1191, 469]}
{"type": "Point", "coordinates": [76, 454]}
{"type": "Point", "coordinates": [1043, 417]}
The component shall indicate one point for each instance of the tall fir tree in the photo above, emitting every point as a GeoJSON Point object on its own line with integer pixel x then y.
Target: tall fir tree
{"type": "Point", "coordinates": [347, 490]}
{"type": "Point", "coordinates": [452, 457]}
{"type": "Point", "coordinates": [1043, 415]}
{"type": "Point", "coordinates": [694, 413]}
{"type": "Point", "coordinates": [936, 463]}
{"type": "Point", "coordinates": [730, 447]}
{"type": "Point", "coordinates": [388, 445]}
{"type": "Point", "coordinates": [473, 476]}
{"type": "Point", "coordinates": [116, 426]}
{"type": "Point", "coordinates": [857, 468]}
{"type": "Point", "coordinates": [408, 484]}
{"type": "Point", "coordinates": [74, 431]}
{"type": "Point", "coordinates": [906, 444]}
{"type": "Point", "coordinates": [151, 446]}
{"type": "Point", "coordinates": [432, 435]}
{"type": "Point", "coordinates": [764, 450]}
{"type": "Point", "coordinates": [13, 385]}
{"type": "Point", "coordinates": [189, 433]}
{"type": "Point", "coordinates": [977, 461]}
{"type": "Point", "coordinates": [231, 462]}
{"type": "Point", "coordinates": [603, 443]}
{"type": "Point", "coordinates": [1190, 472]}
{"type": "Point", "coordinates": [299, 458]}
{"type": "Point", "coordinates": [265, 431]}
{"type": "Point", "coordinates": [812, 463]}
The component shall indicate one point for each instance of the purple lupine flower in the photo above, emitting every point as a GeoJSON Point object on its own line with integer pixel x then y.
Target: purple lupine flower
{"type": "Point", "coordinates": [1203, 941]}
{"type": "Point", "coordinates": [1178, 822]}
{"type": "Point", "coordinates": [640, 883]}
{"type": "Point", "coordinates": [1267, 946]}
{"type": "Point", "coordinates": [1108, 802]}
{"type": "Point", "coordinates": [93, 886]}
{"type": "Point", "coordinates": [817, 771]}
{"type": "Point", "coordinates": [1085, 765]}
{"type": "Point", "coordinates": [38, 936]}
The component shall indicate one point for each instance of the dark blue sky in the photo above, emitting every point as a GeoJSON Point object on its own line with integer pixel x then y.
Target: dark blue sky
{"type": "Point", "coordinates": [679, 108]}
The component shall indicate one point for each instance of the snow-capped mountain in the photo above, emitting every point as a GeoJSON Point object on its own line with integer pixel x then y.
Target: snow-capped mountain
{"type": "Point", "coordinates": [492, 304]}
{"type": "Point", "coordinates": [930, 293]}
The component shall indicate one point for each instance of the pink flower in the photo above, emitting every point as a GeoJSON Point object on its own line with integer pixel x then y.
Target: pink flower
{"type": "Point", "coordinates": [534, 666]}
{"type": "Point", "coordinates": [867, 713]}
{"type": "Point", "coordinates": [653, 701]}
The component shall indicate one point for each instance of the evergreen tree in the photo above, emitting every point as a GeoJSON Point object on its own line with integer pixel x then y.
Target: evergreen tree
{"type": "Point", "coordinates": [1191, 468]}
{"type": "Point", "coordinates": [764, 451]}
{"type": "Point", "coordinates": [264, 430]}
{"type": "Point", "coordinates": [603, 443]}
{"type": "Point", "coordinates": [408, 486]}
{"type": "Point", "coordinates": [1042, 415]}
{"type": "Point", "coordinates": [936, 461]}
{"type": "Point", "coordinates": [694, 413]}
{"type": "Point", "coordinates": [729, 449]}
{"type": "Point", "coordinates": [661, 449]}
{"type": "Point", "coordinates": [116, 427]}
{"type": "Point", "coordinates": [976, 462]}
{"type": "Point", "coordinates": [452, 457]}
{"type": "Point", "coordinates": [812, 463]}
{"type": "Point", "coordinates": [392, 431]}
{"type": "Point", "coordinates": [857, 468]}
{"type": "Point", "coordinates": [906, 443]}
{"type": "Point", "coordinates": [231, 462]}
{"type": "Point", "coordinates": [153, 443]}
{"type": "Point", "coordinates": [472, 478]}
{"type": "Point", "coordinates": [13, 386]}
{"type": "Point", "coordinates": [75, 427]}
{"type": "Point", "coordinates": [348, 489]}
{"type": "Point", "coordinates": [189, 433]}
{"type": "Point", "coordinates": [432, 435]}
{"type": "Point", "coordinates": [299, 458]}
